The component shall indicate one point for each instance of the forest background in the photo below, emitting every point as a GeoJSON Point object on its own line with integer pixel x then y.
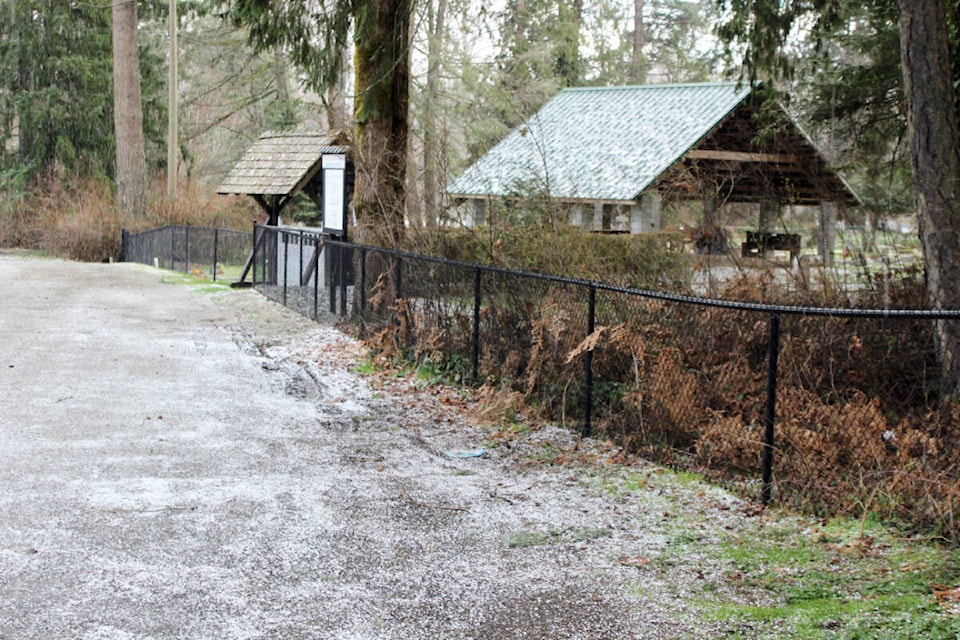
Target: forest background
{"type": "Point", "coordinates": [477, 71]}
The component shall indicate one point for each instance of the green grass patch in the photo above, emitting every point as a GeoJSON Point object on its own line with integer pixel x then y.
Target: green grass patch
{"type": "Point", "coordinates": [452, 369]}
{"type": "Point", "coordinates": [829, 581]}
{"type": "Point", "coordinates": [622, 482]}
{"type": "Point", "coordinates": [555, 536]}
{"type": "Point", "coordinates": [366, 367]}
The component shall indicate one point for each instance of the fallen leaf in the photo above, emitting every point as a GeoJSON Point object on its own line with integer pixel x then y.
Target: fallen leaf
{"type": "Point", "coordinates": [947, 597]}
{"type": "Point", "coordinates": [634, 561]}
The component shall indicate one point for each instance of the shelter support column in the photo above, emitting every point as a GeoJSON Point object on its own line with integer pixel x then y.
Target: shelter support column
{"type": "Point", "coordinates": [645, 216]}
{"type": "Point", "coordinates": [577, 217]}
{"type": "Point", "coordinates": [597, 216]}
{"type": "Point", "coordinates": [478, 211]}
{"type": "Point", "coordinates": [827, 237]}
{"type": "Point", "coordinates": [769, 213]}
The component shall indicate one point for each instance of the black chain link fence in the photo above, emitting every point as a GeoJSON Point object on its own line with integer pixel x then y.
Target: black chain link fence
{"type": "Point", "coordinates": [296, 268]}
{"type": "Point", "coordinates": [834, 410]}
{"type": "Point", "coordinates": [206, 251]}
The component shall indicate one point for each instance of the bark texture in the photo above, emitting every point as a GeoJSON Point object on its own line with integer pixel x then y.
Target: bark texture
{"type": "Point", "coordinates": [638, 63]}
{"type": "Point", "coordinates": [431, 138]}
{"type": "Point", "coordinates": [382, 35]}
{"type": "Point", "coordinates": [131, 174]}
{"type": "Point", "coordinates": [930, 95]}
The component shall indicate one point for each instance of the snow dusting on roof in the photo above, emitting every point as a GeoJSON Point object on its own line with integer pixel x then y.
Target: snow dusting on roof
{"type": "Point", "coordinates": [606, 143]}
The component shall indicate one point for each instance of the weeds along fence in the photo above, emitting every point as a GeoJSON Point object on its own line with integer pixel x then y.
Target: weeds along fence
{"type": "Point", "coordinates": [208, 251]}
{"type": "Point", "coordinates": [833, 410]}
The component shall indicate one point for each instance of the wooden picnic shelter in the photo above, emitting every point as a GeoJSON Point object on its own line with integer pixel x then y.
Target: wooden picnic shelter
{"type": "Point", "coordinates": [616, 155]}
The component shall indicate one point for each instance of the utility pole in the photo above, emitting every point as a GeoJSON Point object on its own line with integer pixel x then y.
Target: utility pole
{"type": "Point", "coordinates": [172, 107]}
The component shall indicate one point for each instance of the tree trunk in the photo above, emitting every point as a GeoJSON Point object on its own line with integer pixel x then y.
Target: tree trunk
{"type": "Point", "coordinates": [128, 115]}
{"type": "Point", "coordinates": [638, 65]}
{"type": "Point", "coordinates": [335, 100]}
{"type": "Point", "coordinates": [285, 117]}
{"type": "Point", "coordinates": [431, 145]}
{"type": "Point", "coordinates": [929, 93]}
{"type": "Point", "coordinates": [382, 36]}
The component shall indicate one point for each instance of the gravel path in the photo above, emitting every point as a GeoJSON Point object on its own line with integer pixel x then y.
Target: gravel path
{"type": "Point", "coordinates": [179, 461]}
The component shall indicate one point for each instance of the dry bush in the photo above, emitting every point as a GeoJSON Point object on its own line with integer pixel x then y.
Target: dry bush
{"type": "Point", "coordinates": [76, 217]}
{"type": "Point", "coordinates": [499, 403]}
{"type": "Point", "coordinates": [848, 458]}
{"type": "Point", "coordinates": [16, 221]}
{"type": "Point", "coordinates": [858, 428]}
{"type": "Point", "coordinates": [72, 220]}
{"type": "Point", "coordinates": [728, 442]}
{"type": "Point", "coordinates": [198, 205]}
{"type": "Point", "coordinates": [855, 431]}
{"type": "Point", "coordinates": [81, 224]}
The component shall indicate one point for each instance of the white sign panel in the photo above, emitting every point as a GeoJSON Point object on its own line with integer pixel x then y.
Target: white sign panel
{"type": "Point", "coordinates": [334, 207]}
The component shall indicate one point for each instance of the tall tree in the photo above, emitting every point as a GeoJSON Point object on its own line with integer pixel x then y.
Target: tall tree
{"type": "Point", "coordinates": [853, 104]}
{"type": "Point", "coordinates": [763, 28]}
{"type": "Point", "coordinates": [930, 93]}
{"type": "Point", "coordinates": [569, 64]}
{"type": "Point", "coordinates": [540, 41]}
{"type": "Point", "coordinates": [381, 108]}
{"type": "Point", "coordinates": [638, 61]}
{"type": "Point", "coordinates": [652, 40]}
{"type": "Point", "coordinates": [131, 170]}
{"type": "Point", "coordinates": [314, 40]}
{"type": "Point", "coordinates": [55, 80]}
{"type": "Point", "coordinates": [436, 29]}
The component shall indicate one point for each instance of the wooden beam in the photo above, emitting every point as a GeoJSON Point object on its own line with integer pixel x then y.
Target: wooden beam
{"type": "Point", "coordinates": [742, 156]}
{"type": "Point", "coordinates": [249, 263]}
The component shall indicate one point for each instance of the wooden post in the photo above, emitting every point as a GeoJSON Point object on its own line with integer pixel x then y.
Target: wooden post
{"type": "Point", "coordinates": [827, 237]}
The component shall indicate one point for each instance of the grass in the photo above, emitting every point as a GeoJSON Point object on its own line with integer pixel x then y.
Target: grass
{"type": "Point", "coordinates": [566, 535]}
{"type": "Point", "coordinates": [205, 284]}
{"type": "Point", "coordinates": [619, 482]}
{"type": "Point", "coordinates": [826, 580]}
{"type": "Point", "coordinates": [777, 575]}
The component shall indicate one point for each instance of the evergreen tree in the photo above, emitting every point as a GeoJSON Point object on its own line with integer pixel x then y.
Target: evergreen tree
{"type": "Point", "coordinates": [56, 89]}
{"type": "Point", "coordinates": [853, 96]}
{"type": "Point", "coordinates": [56, 85]}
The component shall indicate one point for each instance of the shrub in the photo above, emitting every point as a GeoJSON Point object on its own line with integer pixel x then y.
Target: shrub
{"type": "Point", "coordinates": [76, 217]}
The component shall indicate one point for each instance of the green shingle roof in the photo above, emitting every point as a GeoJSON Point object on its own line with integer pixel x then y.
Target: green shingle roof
{"type": "Point", "coordinates": [601, 143]}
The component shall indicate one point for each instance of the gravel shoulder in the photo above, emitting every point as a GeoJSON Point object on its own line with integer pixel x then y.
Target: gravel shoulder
{"type": "Point", "coordinates": [184, 461]}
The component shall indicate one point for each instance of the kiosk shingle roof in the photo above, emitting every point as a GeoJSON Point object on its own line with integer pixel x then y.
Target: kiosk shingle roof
{"type": "Point", "coordinates": [281, 163]}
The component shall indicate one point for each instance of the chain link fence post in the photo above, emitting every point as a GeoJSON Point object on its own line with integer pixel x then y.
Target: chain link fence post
{"type": "Point", "coordinates": [475, 356]}
{"type": "Point", "coordinates": [770, 417]}
{"type": "Point", "coordinates": [588, 382]}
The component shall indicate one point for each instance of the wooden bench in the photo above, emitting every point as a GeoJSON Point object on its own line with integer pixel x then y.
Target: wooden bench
{"type": "Point", "coordinates": [759, 242]}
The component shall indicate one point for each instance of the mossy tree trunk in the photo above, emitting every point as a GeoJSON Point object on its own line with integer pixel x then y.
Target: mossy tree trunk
{"type": "Point", "coordinates": [935, 156]}
{"type": "Point", "coordinates": [382, 72]}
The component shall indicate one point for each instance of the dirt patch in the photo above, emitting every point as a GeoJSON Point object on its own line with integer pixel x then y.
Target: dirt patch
{"type": "Point", "coordinates": [180, 461]}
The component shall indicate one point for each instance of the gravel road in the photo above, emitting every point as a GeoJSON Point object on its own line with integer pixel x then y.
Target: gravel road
{"type": "Point", "coordinates": [184, 461]}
